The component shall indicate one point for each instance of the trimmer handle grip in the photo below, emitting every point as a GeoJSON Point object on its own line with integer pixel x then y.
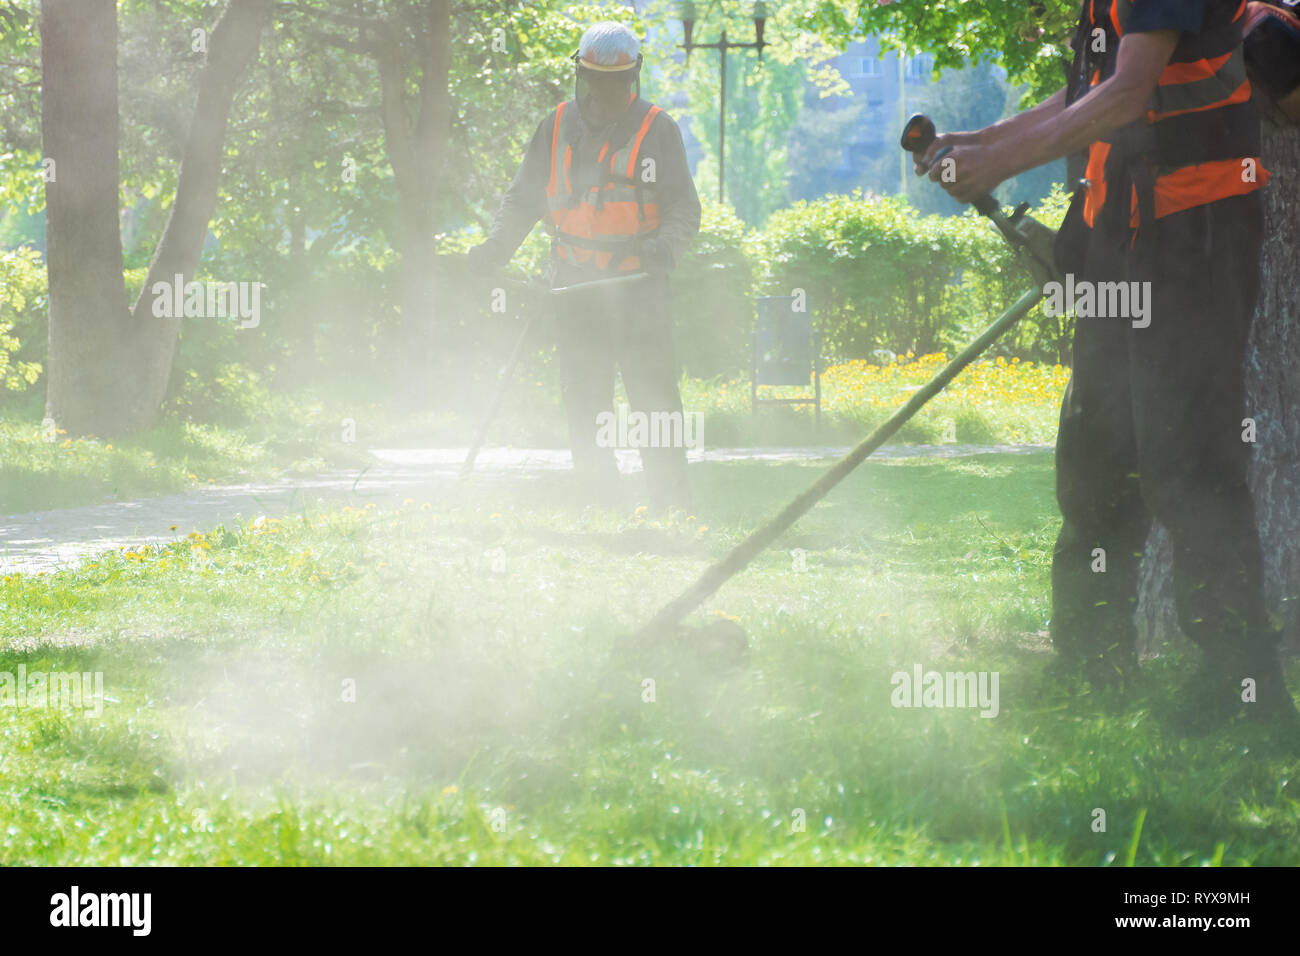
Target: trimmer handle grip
{"type": "Point", "coordinates": [918, 135]}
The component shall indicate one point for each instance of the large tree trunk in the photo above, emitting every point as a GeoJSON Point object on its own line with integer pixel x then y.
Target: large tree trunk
{"type": "Point", "coordinates": [109, 366]}
{"type": "Point", "coordinates": [1273, 400]}
{"type": "Point", "coordinates": [90, 388]}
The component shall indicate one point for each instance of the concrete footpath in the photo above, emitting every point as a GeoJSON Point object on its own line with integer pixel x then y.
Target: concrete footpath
{"type": "Point", "coordinates": [49, 540]}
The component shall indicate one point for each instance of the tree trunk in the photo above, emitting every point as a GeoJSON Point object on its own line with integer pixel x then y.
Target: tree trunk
{"type": "Point", "coordinates": [231, 47]}
{"type": "Point", "coordinates": [90, 388]}
{"type": "Point", "coordinates": [1273, 400]}
{"type": "Point", "coordinates": [109, 366]}
{"type": "Point", "coordinates": [415, 152]}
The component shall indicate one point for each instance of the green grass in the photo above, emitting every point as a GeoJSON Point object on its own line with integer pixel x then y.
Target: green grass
{"type": "Point", "coordinates": [493, 724]}
{"type": "Point", "coordinates": [42, 469]}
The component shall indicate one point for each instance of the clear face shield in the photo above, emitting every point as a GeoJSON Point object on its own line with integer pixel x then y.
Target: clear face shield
{"type": "Point", "coordinates": [603, 95]}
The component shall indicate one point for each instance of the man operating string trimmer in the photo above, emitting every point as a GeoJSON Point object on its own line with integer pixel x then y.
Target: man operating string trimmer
{"type": "Point", "coordinates": [608, 173]}
{"type": "Point", "coordinates": [1152, 420]}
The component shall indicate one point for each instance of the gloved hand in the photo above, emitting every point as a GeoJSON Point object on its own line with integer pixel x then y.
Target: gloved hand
{"type": "Point", "coordinates": [483, 259]}
{"type": "Point", "coordinates": [656, 258]}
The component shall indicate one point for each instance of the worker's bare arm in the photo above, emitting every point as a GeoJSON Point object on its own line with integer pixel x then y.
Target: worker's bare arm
{"type": "Point", "coordinates": [1115, 103]}
{"type": "Point", "coordinates": [1002, 130]}
{"type": "Point", "coordinates": [1047, 136]}
{"type": "Point", "coordinates": [1015, 126]}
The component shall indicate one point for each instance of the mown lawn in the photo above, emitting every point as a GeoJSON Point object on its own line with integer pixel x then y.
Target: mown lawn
{"type": "Point", "coordinates": [492, 722]}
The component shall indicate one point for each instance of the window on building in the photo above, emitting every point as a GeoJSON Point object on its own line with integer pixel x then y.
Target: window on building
{"type": "Point", "coordinates": [868, 66]}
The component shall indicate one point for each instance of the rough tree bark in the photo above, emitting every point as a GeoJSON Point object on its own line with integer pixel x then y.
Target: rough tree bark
{"type": "Point", "coordinates": [87, 388]}
{"type": "Point", "coordinates": [109, 365]}
{"type": "Point", "coordinates": [1273, 400]}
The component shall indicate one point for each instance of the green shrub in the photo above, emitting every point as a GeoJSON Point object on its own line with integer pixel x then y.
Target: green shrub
{"type": "Point", "coordinates": [23, 305]}
{"type": "Point", "coordinates": [229, 395]}
{"type": "Point", "coordinates": [875, 273]}
{"type": "Point", "coordinates": [991, 279]}
{"type": "Point", "coordinates": [713, 297]}
{"type": "Point", "coordinates": [880, 276]}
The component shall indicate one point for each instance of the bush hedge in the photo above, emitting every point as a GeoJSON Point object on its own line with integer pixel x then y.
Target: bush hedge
{"type": "Point", "coordinates": [876, 273]}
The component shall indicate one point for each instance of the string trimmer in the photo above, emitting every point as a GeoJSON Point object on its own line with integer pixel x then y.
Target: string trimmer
{"type": "Point", "coordinates": [1019, 229]}
{"type": "Point", "coordinates": [508, 370]}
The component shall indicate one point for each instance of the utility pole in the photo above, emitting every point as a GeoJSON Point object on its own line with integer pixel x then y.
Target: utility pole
{"type": "Point", "coordinates": [902, 121]}
{"type": "Point", "coordinates": [686, 11]}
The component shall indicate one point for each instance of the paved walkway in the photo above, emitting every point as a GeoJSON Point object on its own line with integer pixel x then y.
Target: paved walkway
{"type": "Point", "coordinates": [49, 540]}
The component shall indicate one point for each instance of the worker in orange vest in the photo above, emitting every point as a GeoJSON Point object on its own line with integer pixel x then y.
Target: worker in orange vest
{"type": "Point", "coordinates": [1152, 421]}
{"type": "Point", "coordinates": [607, 172]}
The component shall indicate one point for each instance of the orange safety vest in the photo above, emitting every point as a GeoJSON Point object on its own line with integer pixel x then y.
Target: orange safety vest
{"type": "Point", "coordinates": [602, 224]}
{"type": "Point", "coordinates": [1199, 140]}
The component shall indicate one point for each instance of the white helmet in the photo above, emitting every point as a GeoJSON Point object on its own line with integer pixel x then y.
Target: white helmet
{"type": "Point", "coordinates": [609, 47]}
{"type": "Point", "coordinates": [608, 77]}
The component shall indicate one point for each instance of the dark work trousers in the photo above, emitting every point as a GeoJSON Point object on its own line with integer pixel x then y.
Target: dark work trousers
{"type": "Point", "coordinates": [1151, 425]}
{"type": "Point", "coordinates": [630, 328]}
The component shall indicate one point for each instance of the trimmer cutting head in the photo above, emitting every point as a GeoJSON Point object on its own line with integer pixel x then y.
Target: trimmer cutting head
{"type": "Point", "coordinates": [716, 645]}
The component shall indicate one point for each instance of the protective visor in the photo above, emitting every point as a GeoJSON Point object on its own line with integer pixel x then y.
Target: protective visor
{"type": "Point", "coordinates": [603, 93]}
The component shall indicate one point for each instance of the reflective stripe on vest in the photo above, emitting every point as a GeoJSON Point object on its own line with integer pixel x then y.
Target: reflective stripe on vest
{"type": "Point", "coordinates": [1198, 124]}
{"type": "Point", "coordinates": [595, 225]}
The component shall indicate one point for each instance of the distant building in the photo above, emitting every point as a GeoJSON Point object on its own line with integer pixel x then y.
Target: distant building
{"type": "Point", "coordinates": [879, 102]}
{"type": "Point", "coordinates": [881, 91]}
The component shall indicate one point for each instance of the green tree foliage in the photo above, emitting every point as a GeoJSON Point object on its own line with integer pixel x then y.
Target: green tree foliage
{"type": "Point", "coordinates": [762, 105]}
{"type": "Point", "coordinates": [22, 318]}
{"type": "Point", "coordinates": [307, 202]}
{"type": "Point", "coordinates": [1031, 41]}
{"type": "Point", "coordinates": [21, 186]}
{"type": "Point", "coordinates": [764, 99]}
